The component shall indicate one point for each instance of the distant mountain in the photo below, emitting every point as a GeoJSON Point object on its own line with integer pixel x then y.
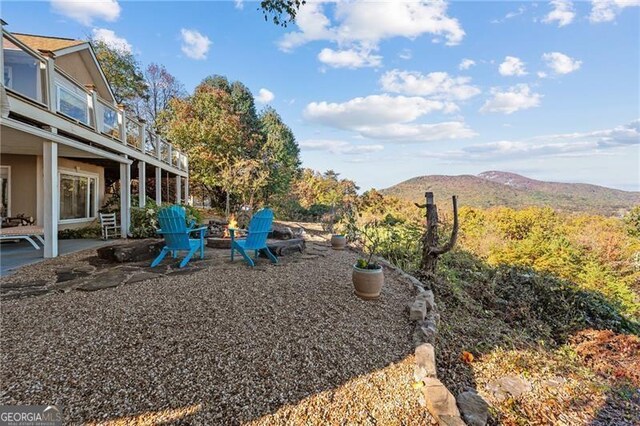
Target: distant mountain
{"type": "Point", "coordinates": [495, 188]}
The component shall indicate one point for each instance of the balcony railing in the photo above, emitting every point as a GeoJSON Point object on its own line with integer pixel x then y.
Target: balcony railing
{"type": "Point", "coordinates": [27, 74]}
{"type": "Point", "coordinates": [24, 70]}
{"type": "Point", "coordinates": [150, 145]}
{"type": "Point", "coordinates": [134, 134]}
{"type": "Point", "coordinates": [165, 152]}
{"type": "Point", "coordinates": [73, 100]}
{"type": "Point", "coordinates": [109, 119]}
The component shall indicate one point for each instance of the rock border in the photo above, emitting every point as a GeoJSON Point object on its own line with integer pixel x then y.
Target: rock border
{"type": "Point", "coordinates": [439, 401]}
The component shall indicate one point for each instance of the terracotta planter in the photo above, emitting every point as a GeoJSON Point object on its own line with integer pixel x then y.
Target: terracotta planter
{"type": "Point", "coordinates": [338, 242]}
{"type": "Point", "coordinates": [367, 282]}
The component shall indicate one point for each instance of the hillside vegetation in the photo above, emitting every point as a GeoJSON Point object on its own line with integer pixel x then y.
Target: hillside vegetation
{"type": "Point", "coordinates": [490, 189]}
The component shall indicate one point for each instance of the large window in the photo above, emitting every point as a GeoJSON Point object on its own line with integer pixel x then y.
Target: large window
{"type": "Point", "coordinates": [5, 191]}
{"type": "Point", "coordinates": [78, 196]}
{"type": "Point", "coordinates": [73, 104]}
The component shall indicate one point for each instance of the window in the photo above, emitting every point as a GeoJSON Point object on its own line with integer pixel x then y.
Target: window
{"type": "Point", "coordinates": [78, 196]}
{"type": "Point", "coordinates": [73, 104]}
{"type": "Point", "coordinates": [5, 191]}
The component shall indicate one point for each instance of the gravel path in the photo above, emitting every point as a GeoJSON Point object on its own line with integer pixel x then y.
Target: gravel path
{"type": "Point", "coordinates": [228, 344]}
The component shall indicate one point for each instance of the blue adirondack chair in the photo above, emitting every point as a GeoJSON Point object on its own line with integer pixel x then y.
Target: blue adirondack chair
{"type": "Point", "coordinates": [173, 227]}
{"type": "Point", "coordinates": [256, 240]}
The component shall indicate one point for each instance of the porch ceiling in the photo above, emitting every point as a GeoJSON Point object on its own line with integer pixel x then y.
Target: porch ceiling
{"type": "Point", "coordinates": [13, 141]}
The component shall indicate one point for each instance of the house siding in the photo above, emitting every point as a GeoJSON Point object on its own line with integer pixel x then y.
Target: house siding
{"type": "Point", "coordinates": [24, 175]}
{"type": "Point", "coordinates": [23, 183]}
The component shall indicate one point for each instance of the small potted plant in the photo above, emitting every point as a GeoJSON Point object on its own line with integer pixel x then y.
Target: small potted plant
{"type": "Point", "coordinates": [367, 275]}
{"type": "Point", "coordinates": [338, 241]}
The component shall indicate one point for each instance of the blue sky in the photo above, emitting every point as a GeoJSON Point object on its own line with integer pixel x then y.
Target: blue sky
{"type": "Point", "coordinates": [384, 91]}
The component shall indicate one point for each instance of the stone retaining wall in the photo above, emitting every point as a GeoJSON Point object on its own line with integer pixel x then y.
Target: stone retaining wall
{"type": "Point", "coordinates": [435, 396]}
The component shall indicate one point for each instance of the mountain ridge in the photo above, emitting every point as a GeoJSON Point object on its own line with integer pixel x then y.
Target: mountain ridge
{"type": "Point", "coordinates": [495, 188]}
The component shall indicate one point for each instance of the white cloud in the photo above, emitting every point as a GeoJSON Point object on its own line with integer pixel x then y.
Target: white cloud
{"type": "Point", "coordinates": [349, 58]}
{"type": "Point", "coordinates": [510, 15]}
{"type": "Point", "coordinates": [449, 130]}
{"type": "Point", "coordinates": [438, 85]}
{"type": "Point", "coordinates": [465, 64]}
{"type": "Point", "coordinates": [386, 117]}
{"type": "Point", "coordinates": [85, 11]}
{"type": "Point", "coordinates": [112, 39]}
{"type": "Point", "coordinates": [561, 63]}
{"type": "Point", "coordinates": [514, 99]}
{"type": "Point", "coordinates": [194, 44]}
{"type": "Point", "coordinates": [339, 147]}
{"type": "Point", "coordinates": [239, 4]}
{"type": "Point", "coordinates": [362, 25]}
{"type": "Point", "coordinates": [607, 10]}
{"type": "Point", "coordinates": [559, 145]}
{"type": "Point", "coordinates": [265, 96]}
{"type": "Point", "coordinates": [405, 54]}
{"type": "Point", "coordinates": [542, 74]}
{"type": "Point", "coordinates": [373, 110]}
{"type": "Point", "coordinates": [562, 13]}
{"type": "Point", "coordinates": [512, 66]}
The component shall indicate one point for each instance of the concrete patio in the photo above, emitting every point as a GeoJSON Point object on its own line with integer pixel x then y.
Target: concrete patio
{"type": "Point", "coordinates": [16, 254]}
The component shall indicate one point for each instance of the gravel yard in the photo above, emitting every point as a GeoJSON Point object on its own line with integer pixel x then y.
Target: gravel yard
{"type": "Point", "coordinates": [227, 344]}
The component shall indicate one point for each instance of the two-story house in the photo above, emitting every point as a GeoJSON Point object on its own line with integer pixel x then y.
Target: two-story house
{"type": "Point", "coordinates": [65, 144]}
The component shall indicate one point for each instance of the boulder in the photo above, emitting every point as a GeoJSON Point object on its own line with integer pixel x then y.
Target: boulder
{"type": "Point", "coordinates": [440, 402]}
{"type": "Point", "coordinates": [451, 421]}
{"type": "Point", "coordinates": [418, 310]}
{"type": "Point", "coordinates": [280, 232]}
{"type": "Point", "coordinates": [425, 362]}
{"type": "Point", "coordinates": [427, 297]}
{"type": "Point", "coordinates": [474, 409]}
{"type": "Point", "coordinates": [132, 251]}
{"type": "Point", "coordinates": [282, 248]}
{"type": "Point", "coordinates": [508, 386]}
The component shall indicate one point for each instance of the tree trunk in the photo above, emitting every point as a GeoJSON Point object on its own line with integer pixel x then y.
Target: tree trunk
{"type": "Point", "coordinates": [430, 241]}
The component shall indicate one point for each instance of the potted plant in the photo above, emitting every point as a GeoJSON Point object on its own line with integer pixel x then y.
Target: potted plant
{"type": "Point", "coordinates": [338, 241]}
{"type": "Point", "coordinates": [367, 275]}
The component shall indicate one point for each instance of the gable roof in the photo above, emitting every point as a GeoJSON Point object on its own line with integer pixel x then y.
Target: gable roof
{"type": "Point", "coordinates": [47, 44]}
{"type": "Point", "coordinates": [60, 46]}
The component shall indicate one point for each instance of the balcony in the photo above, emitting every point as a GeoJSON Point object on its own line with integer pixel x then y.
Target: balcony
{"type": "Point", "coordinates": [24, 71]}
{"type": "Point", "coordinates": [34, 78]}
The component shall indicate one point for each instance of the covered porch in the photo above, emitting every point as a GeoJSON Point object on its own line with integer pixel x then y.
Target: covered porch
{"type": "Point", "coordinates": [62, 183]}
{"type": "Point", "coordinates": [22, 253]}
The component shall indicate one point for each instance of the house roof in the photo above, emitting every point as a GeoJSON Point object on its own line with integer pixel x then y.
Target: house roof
{"type": "Point", "coordinates": [47, 44]}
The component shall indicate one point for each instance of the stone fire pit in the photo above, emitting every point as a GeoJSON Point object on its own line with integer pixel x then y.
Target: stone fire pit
{"type": "Point", "coordinates": [219, 243]}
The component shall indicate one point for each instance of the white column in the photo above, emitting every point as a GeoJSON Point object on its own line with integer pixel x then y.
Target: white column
{"type": "Point", "coordinates": [125, 198]}
{"type": "Point", "coordinates": [158, 186]}
{"type": "Point", "coordinates": [142, 183]}
{"type": "Point", "coordinates": [39, 191]}
{"type": "Point", "coordinates": [178, 190]}
{"type": "Point", "coordinates": [186, 191]}
{"type": "Point", "coordinates": [51, 85]}
{"type": "Point", "coordinates": [51, 189]}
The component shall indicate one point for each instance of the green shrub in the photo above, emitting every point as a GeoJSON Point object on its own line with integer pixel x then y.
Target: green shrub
{"type": "Point", "coordinates": [88, 232]}
{"type": "Point", "coordinates": [144, 220]}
